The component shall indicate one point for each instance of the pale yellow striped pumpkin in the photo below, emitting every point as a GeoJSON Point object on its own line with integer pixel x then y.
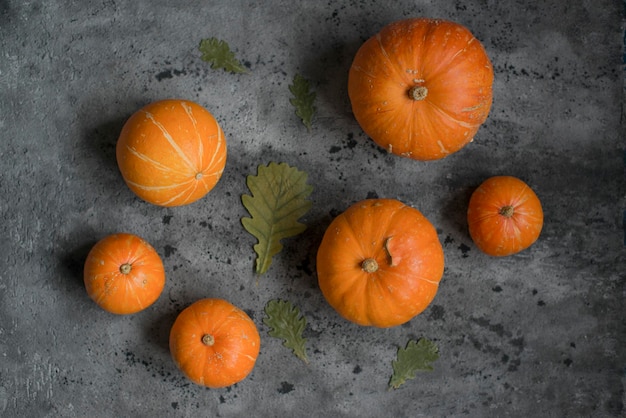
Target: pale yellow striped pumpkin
{"type": "Point", "coordinates": [171, 152]}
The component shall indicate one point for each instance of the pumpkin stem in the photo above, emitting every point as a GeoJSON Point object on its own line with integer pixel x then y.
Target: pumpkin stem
{"type": "Point", "coordinates": [369, 265]}
{"type": "Point", "coordinates": [418, 93]}
{"type": "Point", "coordinates": [208, 340]}
{"type": "Point", "coordinates": [507, 211]}
{"type": "Point", "coordinates": [125, 268]}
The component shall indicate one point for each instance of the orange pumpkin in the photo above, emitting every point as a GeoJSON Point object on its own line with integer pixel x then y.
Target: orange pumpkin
{"type": "Point", "coordinates": [214, 343]}
{"type": "Point", "coordinates": [380, 263]}
{"type": "Point", "coordinates": [171, 152]}
{"type": "Point", "coordinates": [123, 274]}
{"type": "Point", "coordinates": [421, 88]}
{"type": "Point", "coordinates": [504, 216]}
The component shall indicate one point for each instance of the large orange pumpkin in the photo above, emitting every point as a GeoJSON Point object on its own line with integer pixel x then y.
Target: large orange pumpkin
{"type": "Point", "coordinates": [171, 152]}
{"type": "Point", "coordinates": [123, 274]}
{"type": "Point", "coordinates": [421, 88]}
{"type": "Point", "coordinates": [504, 216]}
{"type": "Point", "coordinates": [214, 343]}
{"type": "Point", "coordinates": [380, 263]}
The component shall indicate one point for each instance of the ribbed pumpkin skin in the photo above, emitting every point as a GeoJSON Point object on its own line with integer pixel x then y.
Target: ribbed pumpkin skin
{"type": "Point", "coordinates": [235, 348]}
{"type": "Point", "coordinates": [493, 232]}
{"type": "Point", "coordinates": [442, 56]}
{"type": "Point", "coordinates": [406, 249]}
{"type": "Point", "coordinates": [171, 152]}
{"type": "Point", "coordinates": [118, 292]}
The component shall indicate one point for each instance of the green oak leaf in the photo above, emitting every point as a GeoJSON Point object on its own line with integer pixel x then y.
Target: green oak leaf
{"type": "Point", "coordinates": [303, 100]}
{"type": "Point", "coordinates": [286, 322]}
{"type": "Point", "coordinates": [279, 199]}
{"type": "Point", "coordinates": [417, 356]}
{"type": "Point", "coordinates": [218, 53]}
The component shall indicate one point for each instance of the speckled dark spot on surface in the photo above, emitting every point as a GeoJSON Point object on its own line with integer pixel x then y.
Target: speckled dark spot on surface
{"type": "Point", "coordinates": [464, 250]}
{"type": "Point", "coordinates": [285, 388]}
{"type": "Point", "coordinates": [486, 323]}
{"type": "Point", "coordinates": [164, 74]}
{"type": "Point", "coordinates": [437, 312]}
{"type": "Point", "coordinates": [169, 250]}
{"type": "Point", "coordinates": [351, 143]}
{"type": "Point", "coordinates": [169, 73]}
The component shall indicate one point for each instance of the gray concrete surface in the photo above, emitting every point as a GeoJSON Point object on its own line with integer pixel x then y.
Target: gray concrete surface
{"type": "Point", "coordinates": [538, 334]}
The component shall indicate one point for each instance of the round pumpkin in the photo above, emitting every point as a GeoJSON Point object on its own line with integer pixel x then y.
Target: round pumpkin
{"type": "Point", "coordinates": [421, 88]}
{"type": "Point", "coordinates": [171, 152]}
{"type": "Point", "coordinates": [123, 274]}
{"type": "Point", "coordinates": [504, 216]}
{"type": "Point", "coordinates": [214, 343]}
{"type": "Point", "coordinates": [380, 263]}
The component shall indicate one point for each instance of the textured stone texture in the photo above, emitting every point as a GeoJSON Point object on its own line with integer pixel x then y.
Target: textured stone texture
{"type": "Point", "coordinates": [536, 334]}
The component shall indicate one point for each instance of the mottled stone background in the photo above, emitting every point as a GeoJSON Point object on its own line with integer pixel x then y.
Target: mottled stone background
{"type": "Point", "coordinates": [540, 334]}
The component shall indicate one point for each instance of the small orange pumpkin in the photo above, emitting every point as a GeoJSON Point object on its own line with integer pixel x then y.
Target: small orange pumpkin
{"type": "Point", "coordinates": [214, 343]}
{"type": "Point", "coordinates": [504, 216]}
{"type": "Point", "coordinates": [171, 152]}
{"type": "Point", "coordinates": [123, 274]}
{"type": "Point", "coordinates": [421, 88]}
{"type": "Point", "coordinates": [380, 263]}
